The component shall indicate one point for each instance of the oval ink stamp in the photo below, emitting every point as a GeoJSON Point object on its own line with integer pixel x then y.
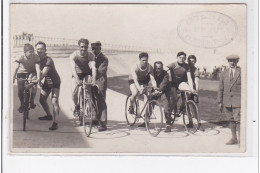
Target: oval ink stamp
{"type": "Point", "coordinates": [207, 29]}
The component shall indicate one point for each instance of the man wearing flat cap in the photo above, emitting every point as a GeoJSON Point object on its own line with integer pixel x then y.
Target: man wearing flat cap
{"type": "Point", "coordinates": [229, 96]}
{"type": "Point", "coordinates": [100, 97]}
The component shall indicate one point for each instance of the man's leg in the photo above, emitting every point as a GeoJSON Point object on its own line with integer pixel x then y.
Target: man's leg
{"type": "Point", "coordinates": [165, 98]}
{"type": "Point", "coordinates": [134, 93]}
{"type": "Point", "coordinates": [20, 85]}
{"type": "Point", "coordinates": [33, 91]}
{"type": "Point", "coordinates": [174, 99]}
{"type": "Point", "coordinates": [236, 114]}
{"type": "Point", "coordinates": [56, 107]}
{"type": "Point", "coordinates": [43, 101]}
{"type": "Point", "coordinates": [102, 107]}
{"type": "Point", "coordinates": [232, 126]}
{"type": "Point", "coordinates": [33, 94]}
{"type": "Point", "coordinates": [75, 88]}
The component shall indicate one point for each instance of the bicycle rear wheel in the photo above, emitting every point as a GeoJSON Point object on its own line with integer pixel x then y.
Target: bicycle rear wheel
{"type": "Point", "coordinates": [191, 117]}
{"type": "Point", "coordinates": [88, 112]}
{"type": "Point", "coordinates": [154, 118]}
{"type": "Point", "coordinates": [130, 117]}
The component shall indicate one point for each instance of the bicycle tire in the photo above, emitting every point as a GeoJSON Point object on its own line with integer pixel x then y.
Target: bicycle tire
{"type": "Point", "coordinates": [191, 114]}
{"type": "Point", "coordinates": [154, 118]}
{"type": "Point", "coordinates": [88, 112]}
{"type": "Point", "coordinates": [81, 107]}
{"type": "Point", "coordinates": [130, 118]}
{"type": "Point", "coordinates": [26, 108]}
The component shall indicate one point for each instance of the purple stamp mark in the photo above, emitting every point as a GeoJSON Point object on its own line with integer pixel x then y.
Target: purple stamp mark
{"type": "Point", "coordinates": [207, 29]}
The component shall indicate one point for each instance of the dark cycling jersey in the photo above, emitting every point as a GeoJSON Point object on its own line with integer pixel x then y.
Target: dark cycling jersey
{"type": "Point", "coordinates": [178, 73]}
{"type": "Point", "coordinates": [52, 73]}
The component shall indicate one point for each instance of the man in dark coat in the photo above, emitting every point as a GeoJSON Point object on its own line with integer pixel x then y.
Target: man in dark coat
{"type": "Point", "coordinates": [229, 96]}
{"type": "Point", "coordinates": [101, 65]}
{"type": "Point", "coordinates": [164, 88]}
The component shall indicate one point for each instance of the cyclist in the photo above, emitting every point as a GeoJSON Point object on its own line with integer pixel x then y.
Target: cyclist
{"type": "Point", "coordinates": [101, 65]}
{"type": "Point", "coordinates": [27, 65]}
{"type": "Point", "coordinates": [82, 64]}
{"type": "Point", "coordinates": [141, 74]}
{"type": "Point", "coordinates": [51, 85]}
{"type": "Point", "coordinates": [179, 72]}
{"type": "Point", "coordinates": [162, 81]}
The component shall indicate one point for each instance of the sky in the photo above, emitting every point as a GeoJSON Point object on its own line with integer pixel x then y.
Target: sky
{"type": "Point", "coordinates": [152, 26]}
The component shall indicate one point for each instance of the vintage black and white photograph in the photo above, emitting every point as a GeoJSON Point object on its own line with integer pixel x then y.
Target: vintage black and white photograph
{"type": "Point", "coordinates": [128, 78]}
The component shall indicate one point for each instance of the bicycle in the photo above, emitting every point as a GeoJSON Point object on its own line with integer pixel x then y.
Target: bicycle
{"type": "Point", "coordinates": [151, 112]}
{"type": "Point", "coordinates": [87, 108]}
{"type": "Point", "coordinates": [28, 84]}
{"type": "Point", "coordinates": [189, 112]}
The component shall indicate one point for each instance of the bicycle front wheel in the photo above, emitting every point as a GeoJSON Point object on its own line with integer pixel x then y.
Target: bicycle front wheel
{"type": "Point", "coordinates": [130, 115]}
{"type": "Point", "coordinates": [191, 117]}
{"type": "Point", "coordinates": [88, 112]}
{"type": "Point", "coordinates": [154, 118]}
{"type": "Point", "coordinates": [26, 108]}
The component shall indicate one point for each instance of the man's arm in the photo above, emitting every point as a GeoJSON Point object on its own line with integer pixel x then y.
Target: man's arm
{"type": "Point", "coordinates": [38, 72]}
{"type": "Point", "coordinates": [103, 66]}
{"type": "Point", "coordinates": [164, 83]}
{"type": "Point", "coordinates": [197, 83]}
{"type": "Point", "coordinates": [92, 65]}
{"type": "Point", "coordinates": [73, 70]}
{"type": "Point", "coordinates": [190, 82]}
{"type": "Point", "coordinates": [45, 70]}
{"type": "Point", "coordinates": [154, 84]}
{"type": "Point", "coordinates": [169, 73]}
{"type": "Point", "coordinates": [16, 67]}
{"type": "Point", "coordinates": [135, 79]}
{"type": "Point", "coordinates": [220, 92]}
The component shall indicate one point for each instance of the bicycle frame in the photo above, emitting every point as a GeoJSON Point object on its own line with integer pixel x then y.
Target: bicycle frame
{"type": "Point", "coordinates": [86, 93]}
{"type": "Point", "coordinates": [144, 109]}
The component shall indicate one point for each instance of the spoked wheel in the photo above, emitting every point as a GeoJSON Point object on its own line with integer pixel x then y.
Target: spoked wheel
{"type": "Point", "coordinates": [81, 108]}
{"type": "Point", "coordinates": [130, 115]}
{"type": "Point", "coordinates": [154, 118]}
{"type": "Point", "coordinates": [191, 117]}
{"type": "Point", "coordinates": [26, 108]}
{"type": "Point", "coordinates": [88, 112]}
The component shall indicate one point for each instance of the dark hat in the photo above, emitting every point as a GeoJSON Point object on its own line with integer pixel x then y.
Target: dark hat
{"type": "Point", "coordinates": [27, 47]}
{"type": "Point", "coordinates": [96, 44]}
{"type": "Point", "coordinates": [232, 57]}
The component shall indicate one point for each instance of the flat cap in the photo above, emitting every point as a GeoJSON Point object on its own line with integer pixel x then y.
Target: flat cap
{"type": "Point", "coordinates": [232, 57]}
{"type": "Point", "coordinates": [96, 44]}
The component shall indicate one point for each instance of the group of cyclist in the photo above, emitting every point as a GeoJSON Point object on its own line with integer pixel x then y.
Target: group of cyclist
{"type": "Point", "coordinates": [40, 69]}
{"type": "Point", "coordinates": [92, 66]}
{"type": "Point", "coordinates": [166, 83]}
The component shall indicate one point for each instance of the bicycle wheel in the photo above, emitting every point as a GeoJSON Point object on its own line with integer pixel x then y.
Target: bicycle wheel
{"type": "Point", "coordinates": [154, 118]}
{"type": "Point", "coordinates": [88, 112]}
{"type": "Point", "coordinates": [26, 108]}
{"type": "Point", "coordinates": [191, 117]}
{"type": "Point", "coordinates": [81, 107]}
{"type": "Point", "coordinates": [130, 117]}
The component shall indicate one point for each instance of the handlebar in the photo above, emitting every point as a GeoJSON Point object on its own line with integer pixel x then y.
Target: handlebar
{"type": "Point", "coordinates": [188, 92]}
{"type": "Point", "coordinates": [29, 80]}
{"type": "Point", "coordinates": [91, 84]}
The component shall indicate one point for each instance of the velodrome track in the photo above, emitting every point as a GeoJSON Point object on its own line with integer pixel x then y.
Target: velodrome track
{"type": "Point", "coordinates": [119, 137]}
